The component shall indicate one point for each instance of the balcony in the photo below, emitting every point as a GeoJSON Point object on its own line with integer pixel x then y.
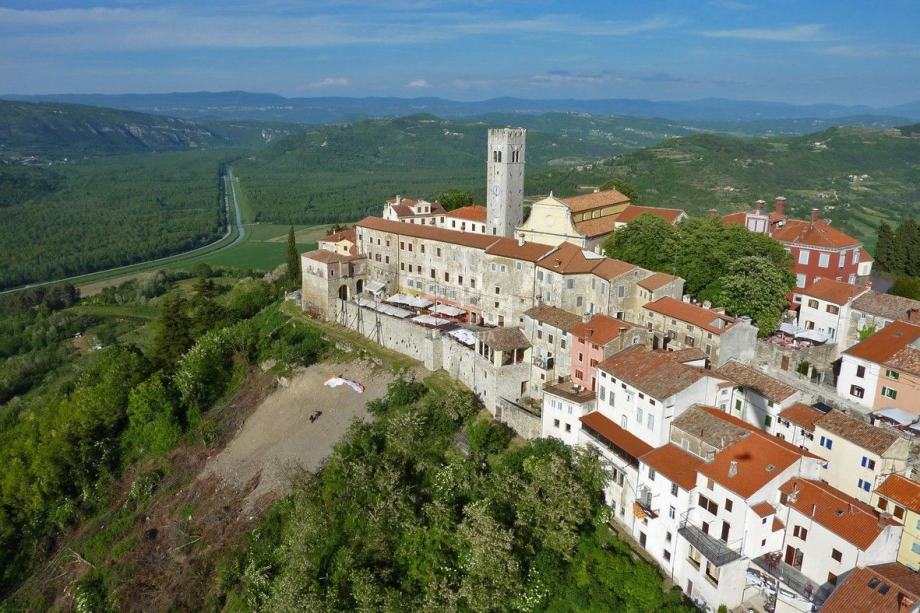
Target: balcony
{"type": "Point", "coordinates": [789, 576]}
{"type": "Point", "coordinates": [544, 362]}
{"type": "Point", "coordinates": [712, 548]}
{"type": "Point", "coordinates": [643, 509]}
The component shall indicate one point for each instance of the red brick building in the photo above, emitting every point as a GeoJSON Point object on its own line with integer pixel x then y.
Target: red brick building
{"type": "Point", "coordinates": [818, 250]}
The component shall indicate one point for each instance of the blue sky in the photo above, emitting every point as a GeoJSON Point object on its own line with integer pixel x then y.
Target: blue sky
{"type": "Point", "coordinates": [801, 52]}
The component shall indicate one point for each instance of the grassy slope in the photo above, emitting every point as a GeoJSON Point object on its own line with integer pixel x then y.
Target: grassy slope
{"type": "Point", "coordinates": [813, 171]}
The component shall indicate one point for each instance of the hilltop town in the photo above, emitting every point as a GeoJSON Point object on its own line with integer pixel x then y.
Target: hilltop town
{"type": "Point", "coordinates": [755, 470]}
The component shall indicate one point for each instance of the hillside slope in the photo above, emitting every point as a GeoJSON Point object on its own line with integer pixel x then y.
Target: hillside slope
{"type": "Point", "coordinates": [341, 172]}
{"type": "Point", "coordinates": [66, 130]}
{"type": "Point", "coordinates": [856, 176]}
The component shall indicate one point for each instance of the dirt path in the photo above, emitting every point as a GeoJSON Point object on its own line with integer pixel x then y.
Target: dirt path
{"type": "Point", "coordinates": [279, 436]}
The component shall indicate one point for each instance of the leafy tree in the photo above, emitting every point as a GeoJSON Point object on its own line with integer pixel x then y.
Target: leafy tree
{"type": "Point", "coordinates": [905, 257]}
{"type": "Point", "coordinates": [486, 436]}
{"type": "Point", "coordinates": [908, 287]}
{"type": "Point", "coordinates": [755, 287]}
{"type": "Point", "coordinates": [172, 329]}
{"type": "Point", "coordinates": [492, 576]}
{"type": "Point", "coordinates": [293, 259]}
{"type": "Point", "coordinates": [884, 247]}
{"type": "Point", "coordinates": [622, 186]}
{"type": "Point", "coordinates": [454, 199]}
{"type": "Point", "coordinates": [153, 425]}
{"type": "Point", "coordinates": [647, 241]}
{"type": "Point", "coordinates": [202, 270]}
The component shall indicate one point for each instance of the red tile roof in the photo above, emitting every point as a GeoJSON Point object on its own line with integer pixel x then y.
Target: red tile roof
{"type": "Point", "coordinates": [616, 435]}
{"type": "Point", "coordinates": [857, 431]}
{"type": "Point", "coordinates": [401, 206]}
{"type": "Point", "coordinates": [473, 212]}
{"type": "Point", "coordinates": [597, 226]}
{"type": "Point", "coordinates": [594, 200]}
{"type": "Point", "coordinates": [852, 520]}
{"type": "Point", "coordinates": [691, 313]}
{"type": "Point", "coordinates": [884, 588]}
{"type": "Point", "coordinates": [814, 234]}
{"type": "Point", "coordinates": [651, 372]}
{"type": "Point", "coordinates": [802, 415]}
{"type": "Point", "coordinates": [906, 360]}
{"type": "Point", "coordinates": [633, 211]}
{"type": "Point", "coordinates": [656, 281]}
{"type": "Point", "coordinates": [326, 256]}
{"type": "Point", "coordinates": [554, 316]}
{"type": "Point", "coordinates": [831, 290]}
{"type": "Point", "coordinates": [600, 329]}
{"type": "Point", "coordinates": [751, 462]}
{"type": "Point", "coordinates": [611, 269]}
{"type": "Point", "coordinates": [865, 256]}
{"type": "Point", "coordinates": [569, 259]}
{"type": "Point", "coordinates": [763, 384]}
{"type": "Point", "coordinates": [674, 463]}
{"type": "Point", "coordinates": [882, 345]}
{"type": "Point", "coordinates": [468, 239]}
{"type": "Point", "coordinates": [735, 219]}
{"type": "Point", "coordinates": [341, 235]}
{"type": "Point", "coordinates": [902, 490]}
{"type": "Point", "coordinates": [763, 509]}
{"type": "Point", "coordinates": [511, 248]}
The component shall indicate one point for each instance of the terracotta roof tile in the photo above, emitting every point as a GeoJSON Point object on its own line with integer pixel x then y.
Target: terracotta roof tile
{"type": "Point", "coordinates": [865, 256]}
{"type": "Point", "coordinates": [609, 268]}
{"type": "Point", "coordinates": [620, 438]}
{"type": "Point", "coordinates": [690, 354]}
{"type": "Point", "coordinates": [324, 255]}
{"type": "Point", "coordinates": [468, 239]}
{"type": "Point", "coordinates": [504, 339]}
{"type": "Point", "coordinates": [568, 259]}
{"type": "Point", "coordinates": [905, 360]}
{"type": "Point", "coordinates": [586, 202]}
{"type": "Point", "coordinates": [633, 211]}
{"type": "Point", "coordinates": [735, 219]}
{"type": "Point", "coordinates": [600, 329]}
{"type": "Point", "coordinates": [553, 316]}
{"type": "Point", "coordinates": [473, 212]}
{"type": "Point", "coordinates": [751, 462]}
{"type": "Point", "coordinates": [777, 524]}
{"type": "Point", "coordinates": [852, 520]}
{"type": "Point", "coordinates": [510, 248]}
{"type": "Point", "coordinates": [863, 589]}
{"type": "Point", "coordinates": [765, 385]}
{"type": "Point", "coordinates": [802, 415]}
{"type": "Point", "coordinates": [341, 235]}
{"type": "Point", "coordinates": [674, 463]}
{"type": "Point", "coordinates": [709, 426]}
{"type": "Point", "coordinates": [857, 431]}
{"type": "Point", "coordinates": [720, 414]}
{"type": "Point", "coordinates": [902, 490]}
{"type": "Point", "coordinates": [651, 372]}
{"type": "Point", "coordinates": [763, 509]}
{"type": "Point", "coordinates": [706, 319]}
{"type": "Point", "coordinates": [886, 342]}
{"type": "Point", "coordinates": [831, 290]}
{"type": "Point", "coordinates": [597, 226]}
{"type": "Point", "coordinates": [813, 234]}
{"type": "Point", "coordinates": [888, 306]}
{"type": "Point", "coordinates": [657, 281]}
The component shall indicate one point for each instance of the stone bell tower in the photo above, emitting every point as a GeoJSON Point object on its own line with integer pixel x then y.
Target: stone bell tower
{"type": "Point", "coordinates": [505, 180]}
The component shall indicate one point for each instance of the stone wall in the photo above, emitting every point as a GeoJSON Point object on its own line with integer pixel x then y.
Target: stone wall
{"type": "Point", "coordinates": [820, 357]}
{"type": "Point", "coordinates": [525, 422]}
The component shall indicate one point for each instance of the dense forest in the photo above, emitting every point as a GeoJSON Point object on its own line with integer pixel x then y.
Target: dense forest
{"type": "Point", "coordinates": [856, 176]}
{"type": "Point", "coordinates": [106, 212]}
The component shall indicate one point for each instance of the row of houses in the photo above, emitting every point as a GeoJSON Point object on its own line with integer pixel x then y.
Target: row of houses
{"type": "Point", "coordinates": [744, 488]}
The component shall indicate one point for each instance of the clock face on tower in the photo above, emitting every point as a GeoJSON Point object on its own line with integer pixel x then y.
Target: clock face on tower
{"type": "Point", "coordinates": [496, 190]}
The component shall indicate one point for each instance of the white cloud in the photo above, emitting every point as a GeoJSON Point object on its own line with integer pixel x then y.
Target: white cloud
{"type": "Point", "coordinates": [329, 82]}
{"type": "Point", "coordinates": [795, 34]}
{"type": "Point", "coordinates": [873, 51]}
{"type": "Point", "coordinates": [418, 83]}
{"type": "Point", "coordinates": [567, 24]}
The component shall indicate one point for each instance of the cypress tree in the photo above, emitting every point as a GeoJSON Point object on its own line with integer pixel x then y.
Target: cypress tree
{"type": "Point", "coordinates": [293, 259]}
{"type": "Point", "coordinates": [884, 246]}
{"type": "Point", "coordinates": [911, 232]}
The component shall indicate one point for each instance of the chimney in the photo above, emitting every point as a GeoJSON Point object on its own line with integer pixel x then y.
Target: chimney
{"type": "Point", "coordinates": [780, 205]}
{"type": "Point", "coordinates": [733, 469]}
{"type": "Point", "coordinates": [815, 214]}
{"type": "Point", "coordinates": [814, 509]}
{"type": "Point", "coordinates": [713, 213]}
{"type": "Point", "coordinates": [622, 336]}
{"type": "Point", "coordinates": [759, 206]}
{"type": "Point", "coordinates": [521, 240]}
{"type": "Point", "coordinates": [913, 315]}
{"type": "Point", "coordinates": [398, 199]}
{"type": "Point", "coordinates": [585, 317]}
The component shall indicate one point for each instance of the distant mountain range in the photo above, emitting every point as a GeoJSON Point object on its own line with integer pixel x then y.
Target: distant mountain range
{"type": "Point", "coordinates": [323, 110]}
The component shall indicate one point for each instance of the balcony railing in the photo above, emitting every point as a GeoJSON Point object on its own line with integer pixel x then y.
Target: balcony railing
{"type": "Point", "coordinates": [712, 548]}
{"type": "Point", "coordinates": [773, 565]}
